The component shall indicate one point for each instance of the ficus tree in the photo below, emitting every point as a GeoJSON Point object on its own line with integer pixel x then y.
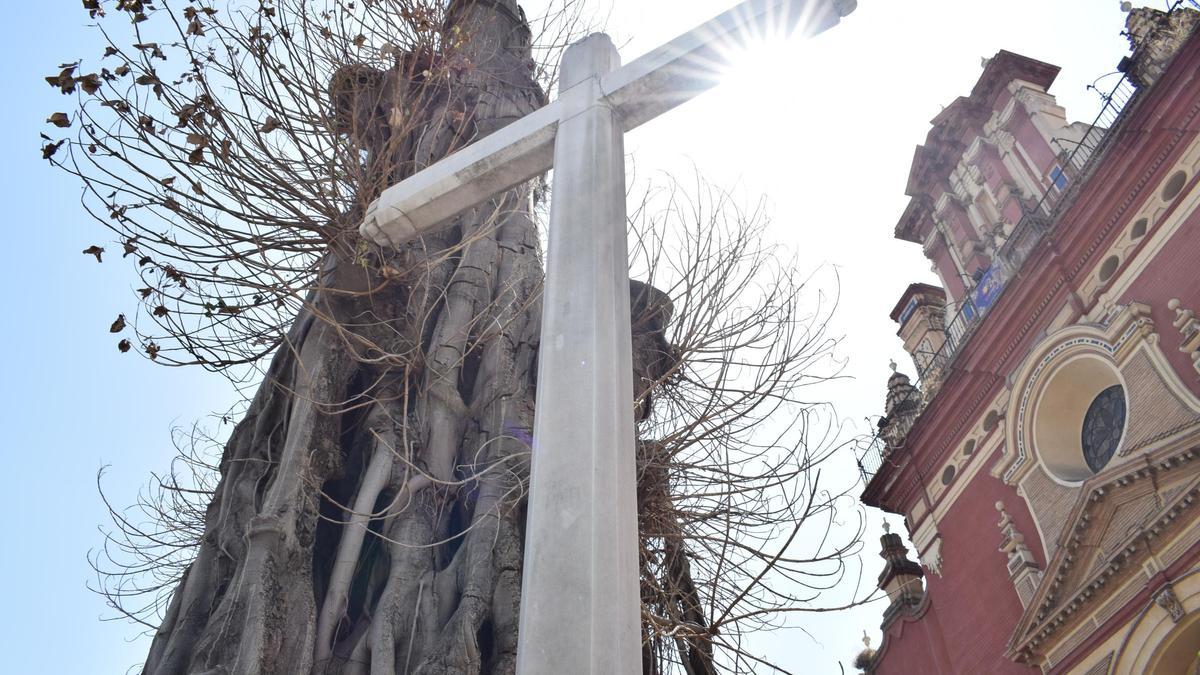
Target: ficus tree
{"type": "Point", "coordinates": [366, 512]}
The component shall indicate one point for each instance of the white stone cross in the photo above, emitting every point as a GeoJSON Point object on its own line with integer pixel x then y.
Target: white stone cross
{"type": "Point", "coordinates": [580, 596]}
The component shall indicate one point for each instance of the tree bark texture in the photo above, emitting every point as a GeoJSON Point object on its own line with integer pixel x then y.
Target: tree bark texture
{"type": "Point", "coordinates": [369, 513]}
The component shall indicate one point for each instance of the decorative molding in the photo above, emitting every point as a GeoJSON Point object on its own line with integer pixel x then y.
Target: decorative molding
{"type": "Point", "coordinates": [1069, 587]}
{"type": "Point", "coordinates": [1003, 140]}
{"type": "Point", "coordinates": [1102, 666]}
{"type": "Point", "coordinates": [1155, 37]}
{"type": "Point", "coordinates": [1167, 599]}
{"type": "Point", "coordinates": [1022, 568]}
{"type": "Point", "coordinates": [1161, 405]}
{"type": "Point", "coordinates": [933, 557]}
{"type": "Point", "coordinates": [1143, 182]}
{"type": "Point", "coordinates": [1189, 327]}
{"type": "Point", "coordinates": [1137, 319]}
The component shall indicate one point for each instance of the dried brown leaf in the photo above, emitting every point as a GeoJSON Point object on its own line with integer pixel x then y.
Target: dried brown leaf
{"type": "Point", "coordinates": [89, 82]}
{"type": "Point", "coordinates": [94, 250]}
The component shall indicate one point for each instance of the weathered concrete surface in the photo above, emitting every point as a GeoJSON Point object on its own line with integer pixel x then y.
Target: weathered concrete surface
{"type": "Point", "coordinates": [580, 601]}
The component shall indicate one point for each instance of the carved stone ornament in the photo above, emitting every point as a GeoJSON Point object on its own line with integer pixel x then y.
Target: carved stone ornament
{"type": "Point", "coordinates": [1167, 599]}
{"type": "Point", "coordinates": [902, 407]}
{"type": "Point", "coordinates": [1014, 542]}
{"type": "Point", "coordinates": [1189, 327]}
{"type": "Point", "coordinates": [933, 557]}
{"type": "Point", "coordinates": [1155, 37]}
{"type": "Point", "coordinates": [1022, 568]}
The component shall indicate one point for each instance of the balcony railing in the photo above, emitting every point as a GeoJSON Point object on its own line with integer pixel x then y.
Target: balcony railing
{"type": "Point", "coordinates": [1036, 222]}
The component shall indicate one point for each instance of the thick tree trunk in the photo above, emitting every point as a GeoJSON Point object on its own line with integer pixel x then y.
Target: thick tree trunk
{"type": "Point", "coordinates": [368, 516]}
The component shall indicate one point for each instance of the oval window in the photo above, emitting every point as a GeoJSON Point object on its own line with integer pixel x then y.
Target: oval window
{"type": "Point", "coordinates": [948, 475]}
{"type": "Point", "coordinates": [1109, 267]}
{"type": "Point", "coordinates": [1139, 229]}
{"type": "Point", "coordinates": [1174, 185]}
{"type": "Point", "coordinates": [969, 448]}
{"type": "Point", "coordinates": [1103, 425]}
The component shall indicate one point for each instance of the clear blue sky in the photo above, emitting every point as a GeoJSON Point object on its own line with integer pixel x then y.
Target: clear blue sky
{"type": "Point", "coordinates": [826, 131]}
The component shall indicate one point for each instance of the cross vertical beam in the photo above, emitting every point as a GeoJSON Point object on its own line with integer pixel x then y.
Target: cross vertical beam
{"type": "Point", "coordinates": [580, 604]}
{"type": "Point", "coordinates": [580, 599]}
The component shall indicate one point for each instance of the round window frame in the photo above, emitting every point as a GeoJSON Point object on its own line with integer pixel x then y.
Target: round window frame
{"type": "Point", "coordinates": [1066, 393]}
{"type": "Point", "coordinates": [1087, 416]}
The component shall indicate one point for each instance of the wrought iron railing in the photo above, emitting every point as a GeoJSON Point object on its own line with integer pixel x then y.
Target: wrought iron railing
{"type": "Point", "coordinates": [1038, 219]}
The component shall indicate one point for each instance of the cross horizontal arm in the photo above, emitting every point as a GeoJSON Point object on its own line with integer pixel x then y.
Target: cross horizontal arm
{"type": "Point", "coordinates": [646, 88]}
{"type": "Point", "coordinates": [691, 64]}
{"type": "Point", "coordinates": [491, 165]}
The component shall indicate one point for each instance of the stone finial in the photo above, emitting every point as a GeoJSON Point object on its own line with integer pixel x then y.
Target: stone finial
{"type": "Point", "coordinates": [1189, 328]}
{"type": "Point", "coordinates": [901, 394]}
{"type": "Point", "coordinates": [1022, 568]}
{"type": "Point", "coordinates": [1008, 527]}
{"type": "Point", "coordinates": [901, 407]}
{"type": "Point", "coordinates": [900, 578]}
{"type": "Point", "coordinates": [1014, 541]}
{"type": "Point", "coordinates": [887, 528]}
{"type": "Point", "coordinates": [1185, 319]}
{"type": "Point", "coordinates": [1155, 36]}
{"type": "Point", "coordinates": [866, 658]}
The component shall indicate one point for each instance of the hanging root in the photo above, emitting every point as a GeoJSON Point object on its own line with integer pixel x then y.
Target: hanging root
{"type": "Point", "coordinates": [346, 561]}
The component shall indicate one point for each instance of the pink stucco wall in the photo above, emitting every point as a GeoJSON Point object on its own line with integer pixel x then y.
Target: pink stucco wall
{"type": "Point", "coordinates": [1173, 273]}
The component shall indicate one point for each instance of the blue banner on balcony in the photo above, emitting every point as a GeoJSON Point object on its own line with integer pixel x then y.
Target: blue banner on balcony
{"type": "Point", "coordinates": [991, 284]}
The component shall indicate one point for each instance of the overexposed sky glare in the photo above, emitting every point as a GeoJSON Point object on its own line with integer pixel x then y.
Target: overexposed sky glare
{"type": "Point", "coordinates": [824, 130]}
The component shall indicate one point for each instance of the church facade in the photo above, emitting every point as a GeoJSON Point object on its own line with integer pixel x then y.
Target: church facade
{"type": "Point", "coordinates": [1046, 458]}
